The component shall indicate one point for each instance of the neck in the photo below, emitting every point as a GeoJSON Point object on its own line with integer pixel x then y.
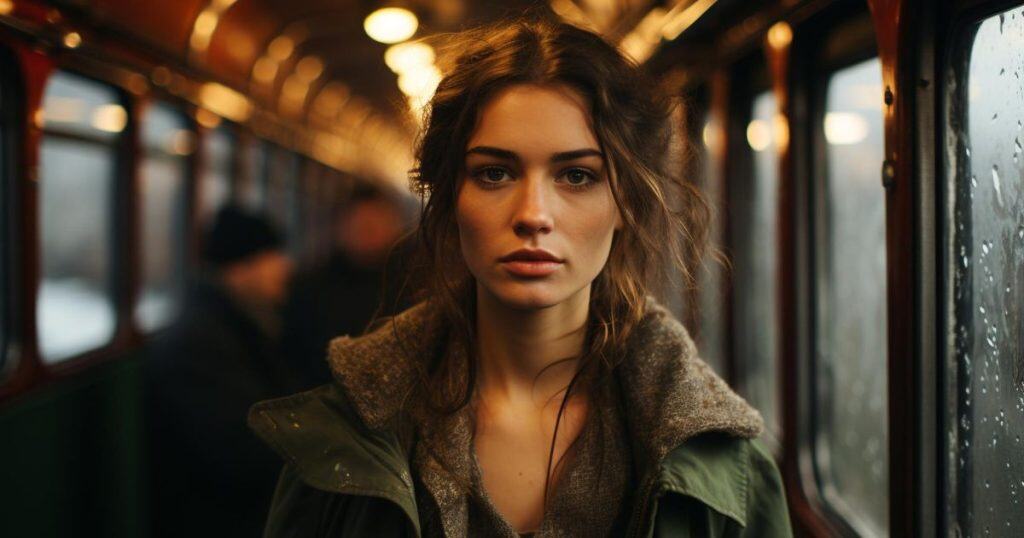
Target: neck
{"type": "Point", "coordinates": [529, 355]}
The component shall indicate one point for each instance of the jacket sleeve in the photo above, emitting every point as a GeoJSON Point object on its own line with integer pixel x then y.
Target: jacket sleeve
{"type": "Point", "coordinates": [767, 513]}
{"type": "Point", "coordinates": [301, 511]}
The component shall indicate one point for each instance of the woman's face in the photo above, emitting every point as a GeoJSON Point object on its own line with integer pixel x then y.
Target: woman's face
{"type": "Point", "coordinates": [535, 211]}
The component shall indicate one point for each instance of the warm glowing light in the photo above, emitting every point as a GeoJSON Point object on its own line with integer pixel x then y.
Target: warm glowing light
{"type": "Point", "coordinates": [109, 118]}
{"type": "Point", "coordinates": [225, 101]}
{"type": "Point", "coordinates": [845, 128]}
{"type": "Point", "coordinates": [759, 135]}
{"type": "Point", "coordinates": [265, 70]}
{"type": "Point", "coordinates": [420, 82]}
{"type": "Point", "coordinates": [780, 131]}
{"type": "Point", "coordinates": [309, 68]}
{"type": "Point", "coordinates": [281, 48]}
{"type": "Point", "coordinates": [6, 7]}
{"type": "Point", "coordinates": [207, 119]}
{"type": "Point", "coordinates": [409, 56]}
{"type": "Point", "coordinates": [711, 135]}
{"type": "Point", "coordinates": [205, 24]}
{"type": "Point", "coordinates": [294, 89]}
{"type": "Point", "coordinates": [780, 35]}
{"type": "Point", "coordinates": [202, 30]}
{"type": "Point", "coordinates": [72, 40]}
{"type": "Point", "coordinates": [391, 25]}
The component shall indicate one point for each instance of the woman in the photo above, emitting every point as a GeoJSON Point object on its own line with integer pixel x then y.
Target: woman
{"type": "Point", "coordinates": [537, 389]}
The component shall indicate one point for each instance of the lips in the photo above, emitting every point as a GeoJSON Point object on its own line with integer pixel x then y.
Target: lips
{"type": "Point", "coordinates": [531, 263]}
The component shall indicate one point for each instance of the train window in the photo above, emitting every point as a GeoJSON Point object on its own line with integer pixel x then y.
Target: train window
{"type": "Point", "coordinates": [710, 279]}
{"type": "Point", "coordinates": [986, 459]}
{"type": "Point", "coordinates": [167, 143]}
{"type": "Point", "coordinates": [215, 183]}
{"type": "Point", "coordinates": [851, 409]}
{"type": "Point", "coordinates": [756, 308]}
{"type": "Point", "coordinates": [82, 121]}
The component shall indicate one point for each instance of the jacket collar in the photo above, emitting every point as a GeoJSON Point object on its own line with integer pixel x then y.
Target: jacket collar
{"type": "Point", "coordinates": [670, 399]}
{"type": "Point", "coordinates": [668, 392]}
{"type": "Point", "coordinates": [669, 396]}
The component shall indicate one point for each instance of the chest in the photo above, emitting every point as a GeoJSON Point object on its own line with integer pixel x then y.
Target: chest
{"type": "Point", "coordinates": [513, 448]}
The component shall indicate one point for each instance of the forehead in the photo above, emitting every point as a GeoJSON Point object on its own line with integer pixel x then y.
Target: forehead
{"type": "Point", "coordinates": [535, 119]}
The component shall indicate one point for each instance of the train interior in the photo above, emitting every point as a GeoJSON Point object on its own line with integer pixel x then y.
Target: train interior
{"type": "Point", "coordinates": [863, 160]}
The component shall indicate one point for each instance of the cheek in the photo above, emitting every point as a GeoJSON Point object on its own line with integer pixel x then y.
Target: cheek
{"type": "Point", "coordinates": [471, 220]}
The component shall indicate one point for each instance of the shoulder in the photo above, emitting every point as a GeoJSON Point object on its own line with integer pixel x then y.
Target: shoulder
{"type": "Point", "coordinates": [736, 477]}
{"type": "Point", "coordinates": [320, 434]}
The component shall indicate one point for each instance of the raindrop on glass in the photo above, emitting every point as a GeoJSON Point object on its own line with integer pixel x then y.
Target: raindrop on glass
{"type": "Point", "coordinates": [996, 184]}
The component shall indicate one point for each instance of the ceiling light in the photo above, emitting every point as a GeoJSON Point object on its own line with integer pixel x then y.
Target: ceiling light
{"type": "Point", "coordinates": [390, 25]}
{"type": "Point", "coordinates": [72, 40]}
{"type": "Point", "coordinates": [408, 56]}
{"type": "Point", "coordinates": [225, 101]}
{"type": "Point", "coordinates": [281, 48]}
{"type": "Point", "coordinates": [780, 35]}
{"type": "Point", "coordinates": [420, 82]}
{"type": "Point", "coordinates": [309, 68]}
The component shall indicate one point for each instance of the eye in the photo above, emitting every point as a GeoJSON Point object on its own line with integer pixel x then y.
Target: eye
{"type": "Point", "coordinates": [578, 177]}
{"type": "Point", "coordinates": [491, 174]}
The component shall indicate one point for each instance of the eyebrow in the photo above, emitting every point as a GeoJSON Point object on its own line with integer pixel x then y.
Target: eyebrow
{"type": "Point", "coordinates": [511, 156]}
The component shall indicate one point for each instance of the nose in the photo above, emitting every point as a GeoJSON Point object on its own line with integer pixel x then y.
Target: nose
{"type": "Point", "coordinates": [533, 214]}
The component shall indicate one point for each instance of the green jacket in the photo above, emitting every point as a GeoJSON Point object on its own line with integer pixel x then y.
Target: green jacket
{"type": "Point", "coordinates": [347, 470]}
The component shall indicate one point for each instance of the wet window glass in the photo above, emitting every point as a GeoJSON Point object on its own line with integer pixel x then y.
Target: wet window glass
{"type": "Point", "coordinates": [851, 340]}
{"type": "Point", "coordinates": [986, 454]}
{"type": "Point", "coordinates": [755, 256]}
{"type": "Point", "coordinates": [82, 121]}
{"type": "Point", "coordinates": [167, 143]}
{"type": "Point", "coordinates": [710, 296]}
{"type": "Point", "coordinates": [215, 182]}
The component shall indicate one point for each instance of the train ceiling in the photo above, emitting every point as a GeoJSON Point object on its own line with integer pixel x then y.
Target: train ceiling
{"type": "Point", "coordinates": [311, 62]}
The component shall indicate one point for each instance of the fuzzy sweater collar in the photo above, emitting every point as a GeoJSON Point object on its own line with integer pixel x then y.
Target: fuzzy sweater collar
{"type": "Point", "coordinates": [668, 395]}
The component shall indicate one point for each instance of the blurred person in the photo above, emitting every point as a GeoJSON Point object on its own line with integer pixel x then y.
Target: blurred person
{"type": "Point", "coordinates": [210, 475]}
{"type": "Point", "coordinates": [359, 281]}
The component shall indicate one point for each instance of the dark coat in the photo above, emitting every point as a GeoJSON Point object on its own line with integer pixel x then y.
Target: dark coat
{"type": "Point", "coordinates": [209, 475]}
{"type": "Point", "coordinates": [348, 465]}
{"type": "Point", "coordinates": [336, 298]}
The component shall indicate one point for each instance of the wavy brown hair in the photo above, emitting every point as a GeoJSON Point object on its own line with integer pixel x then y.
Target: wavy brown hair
{"type": "Point", "coordinates": [664, 217]}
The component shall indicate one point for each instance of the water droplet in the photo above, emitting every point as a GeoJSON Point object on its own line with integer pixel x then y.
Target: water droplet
{"type": "Point", "coordinates": [985, 247]}
{"type": "Point", "coordinates": [1002, 71]}
{"type": "Point", "coordinates": [974, 181]}
{"type": "Point", "coordinates": [981, 308]}
{"type": "Point", "coordinates": [987, 484]}
{"type": "Point", "coordinates": [1017, 148]}
{"type": "Point", "coordinates": [997, 185]}
{"type": "Point", "coordinates": [1002, 19]}
{"type": "Point", "coordinates": [296, 425]}
{"type": "Point", "coordinates": [995, 116]}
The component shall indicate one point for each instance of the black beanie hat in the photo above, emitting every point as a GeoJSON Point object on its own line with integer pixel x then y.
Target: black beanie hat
{"type": "Point", "coordinates": [236, 234]}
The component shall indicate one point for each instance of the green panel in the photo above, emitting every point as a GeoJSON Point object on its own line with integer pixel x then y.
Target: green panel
{"type": "Point", "coordinates": [72, 457]}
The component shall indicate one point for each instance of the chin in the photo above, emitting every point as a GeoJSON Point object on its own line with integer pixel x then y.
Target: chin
{"type": "Point", "coordinates": [528, 295]}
